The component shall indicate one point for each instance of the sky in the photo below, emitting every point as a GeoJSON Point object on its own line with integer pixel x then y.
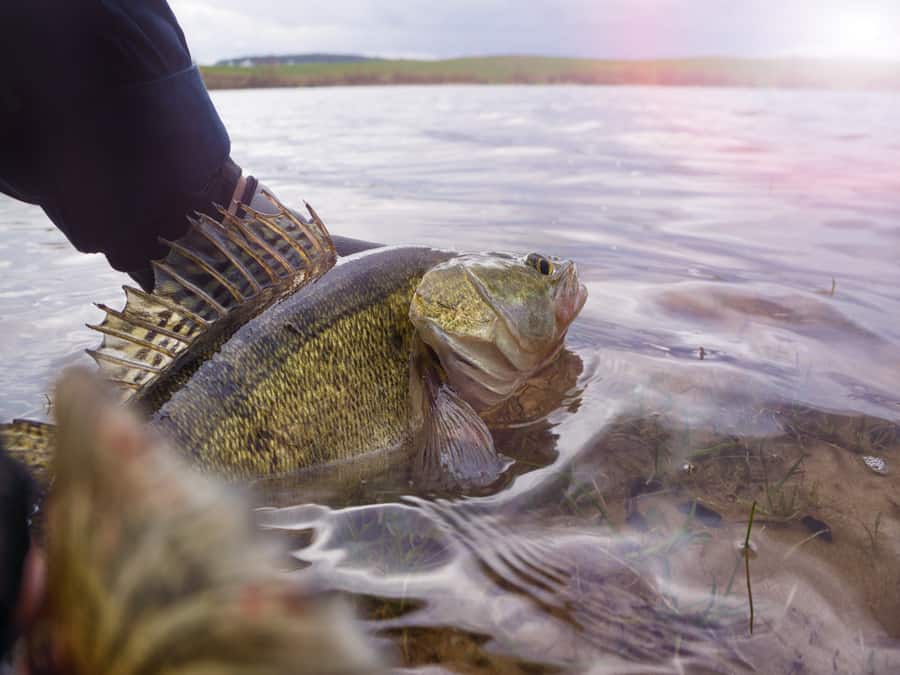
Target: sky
{"type": "Point", "coordinates": [615, 29]}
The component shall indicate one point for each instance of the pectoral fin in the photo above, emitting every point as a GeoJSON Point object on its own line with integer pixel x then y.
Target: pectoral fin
{"type": "Point", "coordinates": [455, 447]}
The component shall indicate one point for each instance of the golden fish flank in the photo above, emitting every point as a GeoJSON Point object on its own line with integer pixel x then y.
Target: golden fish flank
{"type": "Point", "coordinates": [392, 349]}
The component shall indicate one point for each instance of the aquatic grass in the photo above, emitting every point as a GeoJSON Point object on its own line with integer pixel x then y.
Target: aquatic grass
{"type": "Point", "coordinates": [782, 501]}
{"type": "Point", "coordinates": [684, 536]}
{"type": "Point", "coordinates": [746, 552]}
{"type": "Point", "coordinates": [711, 611]}
{"type": "Point", "coordinates": [727, 444]}
{"type": "Point", "coordinates": [651, 433]}
{"type": "Point", "coordinates": [680, 539]}
{"type": "Point", "coordinates": [586, 501]}
{"type": "Point", "coordinates": [881, 436]}
{"type": "Point", "coordinates": [556, 70]}
{"type": "Point", "coordinates": [796, 547]}
{"type": "Point", "coordinates": [600, 503]}
{"type": "Point", "coordinates": [863, 434]}
{"type": "Point", "coordinates": [733, 576]}
{"type": "Point", "coordinates": [655, 462]}
{"type": "Point", "coordinates": [873, 532]}
{"type": "Point", "coordinates": [829, 292]}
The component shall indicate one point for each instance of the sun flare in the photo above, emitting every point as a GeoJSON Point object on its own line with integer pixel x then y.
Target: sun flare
{"type": "Point", "coordinates": [860, 35]}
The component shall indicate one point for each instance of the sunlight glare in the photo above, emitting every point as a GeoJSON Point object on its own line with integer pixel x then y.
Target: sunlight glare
{"type": "Point", "coordinates": [860, 35]}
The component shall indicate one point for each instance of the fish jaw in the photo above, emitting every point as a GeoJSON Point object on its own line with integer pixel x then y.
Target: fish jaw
{"type": "Point", "coordinates": [494, 321]}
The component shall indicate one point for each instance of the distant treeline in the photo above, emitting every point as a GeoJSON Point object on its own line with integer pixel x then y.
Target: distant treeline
{"type": "Point", "coordinates": [712, 72]}
{"type": "Point", "coordinates": [291, 59]}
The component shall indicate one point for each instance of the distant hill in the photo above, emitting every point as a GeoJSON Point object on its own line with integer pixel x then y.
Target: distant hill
{"type": "Point", "coordinates": [701, 72]}
{"type": "Point", "coordinates": [292, 59]}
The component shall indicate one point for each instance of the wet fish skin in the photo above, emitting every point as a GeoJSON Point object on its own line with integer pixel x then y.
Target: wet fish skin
{"type": "Point", "coordinates": [321, 377]}
{"type": "Point", "coordinates": [392, 347]}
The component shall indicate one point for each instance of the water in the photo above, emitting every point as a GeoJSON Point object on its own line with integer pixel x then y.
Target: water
{"type": "Point", "coordinates": [760, 226]}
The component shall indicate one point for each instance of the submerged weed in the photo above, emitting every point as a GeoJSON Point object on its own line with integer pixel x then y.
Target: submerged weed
{"type": "Point", "coordinates": [783, 498]}
{"type": "Point", "coordinates": [746, 553]}
{"type": "Point", "coordinates": [873, 532]}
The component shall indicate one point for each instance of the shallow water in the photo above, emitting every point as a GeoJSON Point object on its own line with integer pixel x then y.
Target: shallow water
{"type": "Point", "coordinates": [760, 226]}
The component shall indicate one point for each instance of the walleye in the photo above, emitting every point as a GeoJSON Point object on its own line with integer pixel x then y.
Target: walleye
{"type": "Point", "coordinates": [392, 348]}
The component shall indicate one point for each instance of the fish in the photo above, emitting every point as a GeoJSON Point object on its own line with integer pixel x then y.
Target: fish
{"type": "Point", "coordinates": [392, 346]}
{"type": "Point", "coordinates": [152, 566]}
{"type": "Point", "coordinates": [392, 350]}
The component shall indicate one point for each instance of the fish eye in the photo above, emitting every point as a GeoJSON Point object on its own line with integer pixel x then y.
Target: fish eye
{"type": "Point", "coordinates": [540, 263]}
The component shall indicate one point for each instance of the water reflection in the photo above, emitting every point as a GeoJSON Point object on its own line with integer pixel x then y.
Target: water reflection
{"type": "Point", "coordinates": [522, 428]}
{"type": "Point", "coordinates": [624, 558]}
{"type": "Point", "coordinates": [760, 226]}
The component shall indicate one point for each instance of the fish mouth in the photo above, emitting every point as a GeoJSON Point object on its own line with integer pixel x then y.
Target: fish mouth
{"type": "Point", "coordinates": [489, 365]}
{"type": "Point", "coordinates": [487, 372]}
{"type": "Point", "coordinates": [570, 296]}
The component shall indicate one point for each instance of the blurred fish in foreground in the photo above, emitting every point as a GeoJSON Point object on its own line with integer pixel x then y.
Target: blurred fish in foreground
{"type": "Point", "coordinates": [152, 568]}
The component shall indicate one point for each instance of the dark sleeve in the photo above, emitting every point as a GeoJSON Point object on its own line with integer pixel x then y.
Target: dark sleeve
{"type": "Point", "coordinates": [106, 123]}
{"type": "Point", "coordinates": [16, 498]}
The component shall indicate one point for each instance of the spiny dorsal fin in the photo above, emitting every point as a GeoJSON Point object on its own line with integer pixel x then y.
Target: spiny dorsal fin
{"type": "Point", "coordinates": [214, 278]}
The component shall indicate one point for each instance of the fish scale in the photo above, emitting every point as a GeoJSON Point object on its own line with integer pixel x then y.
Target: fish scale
{"type": "Point", "coordinates": [308, 368]}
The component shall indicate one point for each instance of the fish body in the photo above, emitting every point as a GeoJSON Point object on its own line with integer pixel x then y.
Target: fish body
{"type": "Point", "coordinates": [320, 377]}
{"type": "Point", "coordinates": [396, 347]}
{"type": "Point", "coordinates": [259, 359]}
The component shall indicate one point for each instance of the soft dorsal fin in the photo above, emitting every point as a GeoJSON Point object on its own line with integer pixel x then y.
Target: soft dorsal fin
{"type": "Point", "coordinates": [214, 278]}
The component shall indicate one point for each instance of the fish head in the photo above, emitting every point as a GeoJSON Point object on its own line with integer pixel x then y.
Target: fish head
{"type": "Point", "coordinates": [495, 319]}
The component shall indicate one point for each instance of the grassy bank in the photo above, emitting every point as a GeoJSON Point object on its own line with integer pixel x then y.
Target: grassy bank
{"type": "Point", "coordinates": [543, 70]}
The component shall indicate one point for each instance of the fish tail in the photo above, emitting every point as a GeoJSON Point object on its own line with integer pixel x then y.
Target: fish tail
{"type": "Point", "coordinates": [31, 443]}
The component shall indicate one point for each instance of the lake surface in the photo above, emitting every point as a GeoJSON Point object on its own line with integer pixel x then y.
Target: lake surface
{"type": "Point", "coordinates": [740, 343]}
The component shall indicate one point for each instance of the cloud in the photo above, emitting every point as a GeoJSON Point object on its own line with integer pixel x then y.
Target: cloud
{"type": "Point", "coordinates": [589, 28]}
{"type": "Point", "coordinates": [216, 31]}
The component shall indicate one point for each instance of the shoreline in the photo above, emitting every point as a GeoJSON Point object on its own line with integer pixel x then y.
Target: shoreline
{"type": "Point", "coordinates": [711, 72]}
